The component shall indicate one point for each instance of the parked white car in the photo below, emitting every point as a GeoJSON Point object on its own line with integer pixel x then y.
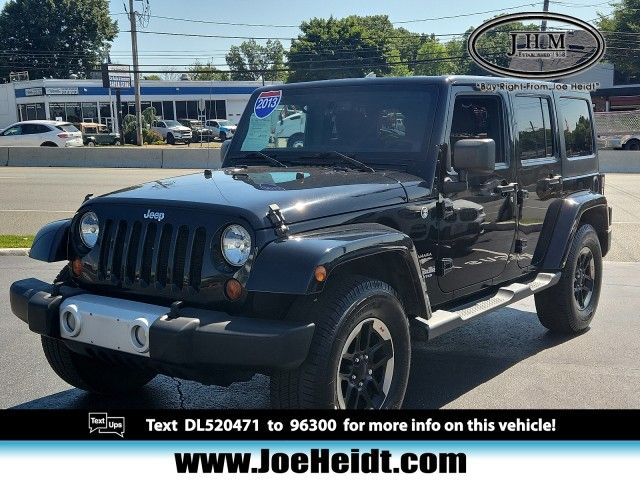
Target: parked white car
{"type": "Point", "coordinates": [172, 131]}
{"type": "Point", "coordinates": [41, 133]}
{"type": "Point", "coordinates": [291, 130]}
{"type": "Point", "coordinates": [222, 129]}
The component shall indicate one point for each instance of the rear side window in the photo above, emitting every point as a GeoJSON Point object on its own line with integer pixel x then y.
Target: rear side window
{"type": "Point", "coordinates": [67, 127]}
{"type": "Point", "coordinates": [578, 128]}
{"type": "Point", "coordinates": [535, 134]}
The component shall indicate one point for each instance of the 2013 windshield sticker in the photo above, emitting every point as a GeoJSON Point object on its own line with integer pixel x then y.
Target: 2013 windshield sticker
{"type": "Point", "coordinates": [266, 103]}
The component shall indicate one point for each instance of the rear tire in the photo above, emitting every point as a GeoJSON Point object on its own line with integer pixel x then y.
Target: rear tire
{"type": "Point", "coordinates": [360, 352]}
{"type": "Point", "coordinates": [90, 374]}
{"type": "Point", "coordinates": [569, 306]}
{"type": "Point", "coordinates": [632, 144]}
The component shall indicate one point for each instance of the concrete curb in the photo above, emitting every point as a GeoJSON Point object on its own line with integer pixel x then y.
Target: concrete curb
{"type": "Point", "coordinates": [14, 252]}
{"type": "Point", "coordinates": [110, 157]}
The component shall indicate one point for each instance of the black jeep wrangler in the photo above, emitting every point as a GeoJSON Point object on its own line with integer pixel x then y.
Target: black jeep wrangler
{"type": "Point", "coordinates": [409, 207]}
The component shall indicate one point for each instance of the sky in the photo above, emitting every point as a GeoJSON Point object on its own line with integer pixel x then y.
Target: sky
{"type": "Point", "coordinates": [166, 50]}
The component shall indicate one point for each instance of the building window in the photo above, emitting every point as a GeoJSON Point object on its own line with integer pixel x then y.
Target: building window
{"type": "Point", "coordinates": [216, 109]}
{"type": "Point", "coordinates": [56, 110]}
{"type": "Point", "coordinates": [192, 109]}
{"type": "Point", "coordinates": [181, 109]}
{"type": "Point", "coordinates": [535, 136]}
{"type": "Point", "coordinates": [167, 111]}
{"type": "Point", "coordinates": [74, 112]}
{"type": "Point", "coordinates": [158, 107]}
{"type": "Point", "coordinates": [89, 112]}
{"type": "Point", "coordinates": [578, 131]}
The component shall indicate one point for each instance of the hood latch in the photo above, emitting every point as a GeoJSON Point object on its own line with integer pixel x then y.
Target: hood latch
{"type": "Point", "coordinates": [277, 220]}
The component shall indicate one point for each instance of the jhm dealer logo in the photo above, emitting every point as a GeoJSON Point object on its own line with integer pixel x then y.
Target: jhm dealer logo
{"type": "Point", "coordinates": [103, 423]}
{"type": "Point", "coordinates": [540, 45]}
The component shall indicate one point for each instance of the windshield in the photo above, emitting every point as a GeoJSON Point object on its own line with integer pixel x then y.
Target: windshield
{"type": "Point", "coordinates": [172, 123]}
{"type": "Point", "coordinates": [364, 122]}
{"type": "Point", "coordinates": [225, 123]}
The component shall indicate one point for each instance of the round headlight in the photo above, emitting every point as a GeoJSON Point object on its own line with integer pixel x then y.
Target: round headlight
{"type": "Point", "coordinates": [89, 229]}
{"type": "Point", "coordinates": [236, 245]}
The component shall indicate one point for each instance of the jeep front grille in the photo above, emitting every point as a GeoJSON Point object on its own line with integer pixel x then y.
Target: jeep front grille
{"type": "Point", "coordinates": [151, 254]}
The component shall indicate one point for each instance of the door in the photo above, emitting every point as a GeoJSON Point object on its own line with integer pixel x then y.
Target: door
{"type": "Point", "coordinates": [477, 226]}
{"type": "Point", "coordinates": [539, 168]}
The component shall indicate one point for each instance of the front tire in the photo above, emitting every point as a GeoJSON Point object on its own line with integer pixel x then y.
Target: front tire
{"type": "Point", "coordinates": [360, 353]}
{"type": "Point", "coordinates": [90, 374]}
{"type": "Point", "coordinates": [569, 306]}
{"type": "Point", "coordinates": [223, 137]}
{"type": "Point", "coordinates": [171, 139]}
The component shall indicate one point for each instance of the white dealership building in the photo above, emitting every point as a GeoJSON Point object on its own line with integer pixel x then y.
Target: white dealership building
{"type": "Point", "coordinates": [86, 100]}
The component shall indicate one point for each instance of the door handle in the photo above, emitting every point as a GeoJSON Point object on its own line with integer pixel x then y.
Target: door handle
{"type": "Point", "coordinates": [504, 189]}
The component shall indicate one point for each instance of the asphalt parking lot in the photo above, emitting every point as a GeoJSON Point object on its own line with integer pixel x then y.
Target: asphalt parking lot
{"type": "Point", "coordinates": [504, 360]}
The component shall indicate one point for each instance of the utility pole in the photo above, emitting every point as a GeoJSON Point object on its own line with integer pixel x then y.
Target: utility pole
{"type": "Point", "coordinates": [545, 8]}
{"type": "Point", "coordinates": [136, 73]}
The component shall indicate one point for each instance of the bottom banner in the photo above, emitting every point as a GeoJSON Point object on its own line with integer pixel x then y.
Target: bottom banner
{"type": "Point", "coordinates": [285, 459]}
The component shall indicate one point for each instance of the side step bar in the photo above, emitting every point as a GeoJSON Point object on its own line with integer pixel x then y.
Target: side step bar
{"type": "Point", "coordinates": [443, 321]}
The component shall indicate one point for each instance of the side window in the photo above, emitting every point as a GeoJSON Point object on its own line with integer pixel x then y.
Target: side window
{"type": "Point", "coordinates": [15, 130]}
{"type": "Point", "coordinates": [477, 116]}
{"type": "Point", "coordinates": [578, 128]}
{"type": "Point", "coordinates": [42, 129]}
{"type": "Point", "coordinates": [29, 129]}
{"type": "Point", "coordinates": [535, 134]}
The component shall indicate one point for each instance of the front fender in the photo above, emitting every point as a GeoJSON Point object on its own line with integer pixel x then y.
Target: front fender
{"type": "Point", "coordinates": [561, 223]}
{"type": "Point", "coordinates": [50, 243]}
{"type": "Point", "coordinates": [287, 266]}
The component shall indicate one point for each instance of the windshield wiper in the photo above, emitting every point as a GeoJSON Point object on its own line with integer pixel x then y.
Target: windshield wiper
{"type": "Point", "coordinates": [345, 158]}
{"type": "Point", "coordinates": [257, 155]}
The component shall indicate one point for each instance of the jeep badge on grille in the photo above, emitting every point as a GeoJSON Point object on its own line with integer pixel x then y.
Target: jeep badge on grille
{"type": "Point", "coordinates": [154, 215]}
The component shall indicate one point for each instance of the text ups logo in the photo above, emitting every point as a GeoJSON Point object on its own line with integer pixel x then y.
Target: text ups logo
{"type": "Point", "coordinates": [103, 423]}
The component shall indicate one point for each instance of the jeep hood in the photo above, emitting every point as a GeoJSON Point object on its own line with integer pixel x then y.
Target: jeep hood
{"type": "Point", "coordinates": [303, 193]}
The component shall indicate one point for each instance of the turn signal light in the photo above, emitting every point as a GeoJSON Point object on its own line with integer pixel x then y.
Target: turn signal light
{"type": "Point", "coordinates": [320, 273]}
{"type": "Point", "coordinates": [76, 267]}
{"type": "Point", "coordinates": [233, 289]}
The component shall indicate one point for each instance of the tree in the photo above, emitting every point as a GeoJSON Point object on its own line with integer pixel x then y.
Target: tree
{"type": "Point", "coordinates": [206, 71]}
{"type": "Point", "coordinates": [252, 61]}
{"type": "Point", "coordinates": [55, 38]}
{"type": "Point", "coordinates": [433, 58]}
{"type": "Point", "coordinates": [623, 21]}
{"type": "Point", "coordinates": [339, 48]}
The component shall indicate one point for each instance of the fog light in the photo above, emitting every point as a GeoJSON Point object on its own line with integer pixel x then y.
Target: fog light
{"type": "Point", "coordinates": [70, 321]}
{"type": "Point", "coordinates": [139, 338]}
{"type": "Point", "coordinates": [233, 289]}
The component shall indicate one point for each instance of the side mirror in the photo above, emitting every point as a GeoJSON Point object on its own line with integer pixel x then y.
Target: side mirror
{"type": "Point", "coordinates": [475, 155]}
{"type": "Point", "coordinates": [224, 148]}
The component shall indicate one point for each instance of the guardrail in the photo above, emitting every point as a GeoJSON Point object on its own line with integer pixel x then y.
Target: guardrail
{"type": "Point", "coordinates": [110, 157]}
{"type": "Point", "coordinates": [611, 161]}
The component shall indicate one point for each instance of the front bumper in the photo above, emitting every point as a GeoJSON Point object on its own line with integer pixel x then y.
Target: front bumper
{"type": "Point", "coordinates": [197, 338]}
